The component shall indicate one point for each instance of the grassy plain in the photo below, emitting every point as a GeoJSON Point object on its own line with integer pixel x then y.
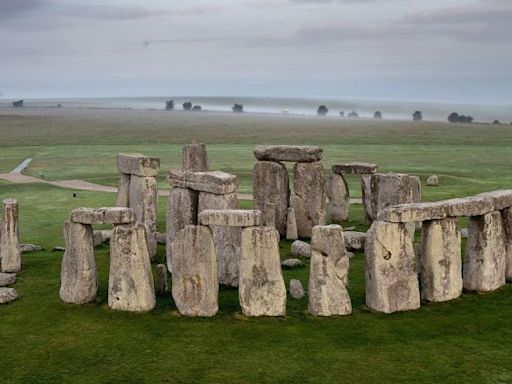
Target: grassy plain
{"type": "Point", "coordinates": [45, 341]}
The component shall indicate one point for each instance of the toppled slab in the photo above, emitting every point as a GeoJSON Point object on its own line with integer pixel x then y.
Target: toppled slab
{"type": "Point", "coordinates": [217, 182]}
{"type": "Point", "coordinates": [354, 241]}
{"type": "Point", "coordinates": [7, 295]}
{"type": "Point", "coordinates": [355, 168]}
{"type": "Point", "coordinates": [30, 248]}
{"type": "Point", "coordinates": [7, 279]}
{"type": "Point", "coordinates": [230, 217]}
{"type": "Point", "coordinates": [293, 153]}
{"type": "Point", "coordinates": [111, 215]}
{"type": "Point", "coordinates": [291, 263]}
{"type": "Point", "coordinates": [301, 249]}
{"type": "Point", "coordinates": [138, 165]}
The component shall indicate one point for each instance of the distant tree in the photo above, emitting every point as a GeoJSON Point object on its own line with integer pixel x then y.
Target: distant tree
{"type": "Point", "coordinates": [169, 105]}
{"type": "Point", "coordinates": [238, 108]}
{"type": "Point", "coordinates": [417, 116]}
{"type": "Point", "coordinates": [377, 115]}
{"type": "Point", "coordinates": [322, 110]}
{"type": "Point", "coordinates": [453, 117]}
{"type": "Point", "coordinates": [496, 122]}
{"type": "Point", "coordinates": [187, 106]}
{"type": "Point", "coordinates": [17, 104]}
{"type": "Point", "coordinates": [353, 115]}
{"type": "Point", "coordinates": [342, 113]}
{"type": "Point", "coordinates": [465, 119]}
{"type": "Point", "coordinates": [197, 108]}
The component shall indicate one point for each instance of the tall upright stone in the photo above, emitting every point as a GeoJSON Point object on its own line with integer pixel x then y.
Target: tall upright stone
{"type": "Point", "coordinates": [390, 269]}
{"type": "Point", "coordinates": [440, 260]}
{"type": "Point", "coordinates": [485, 261]}
{"type": "Point", "coordinates": [388, 189]}
{"type": "Point", "coordinates": [308, 199]}
{"type": "Point", "coordinates": [366, 193]}
{"type": "Point", "coordinates": [78, 277]}
{"type": "Point", "coordinates": [262, 290]}
{"type": "Point", "coordinates": [328, 275]}
{"type": "Point", "coordinates": [130, 284]}
{"type": "Point", "coordinates": [506, 216]}
{"type": "Point", "coordinates": [195, 157]}
{"type": "Point", "coordinates": [291, 225]}
{"type": "Point", "coordinates": [194, 279]}
{"type": "Point", "coordinates": [9, 237]}
{"type": "Point", "coordinates": [123, 191]}
{"type": "Point", "coordinates": [338, 198]}
{"type": "Point", "coordinates": [270, 185]}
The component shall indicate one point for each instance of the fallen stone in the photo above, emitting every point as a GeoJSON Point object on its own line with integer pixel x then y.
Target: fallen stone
{"type": "Point", "coordinates": [7, 279]}
{"type": "Point", "coordinates": [291, 225]}
{"type": "Point", "coordinates": [123, 190]}
{"type": "Point", "coordinates": [338, 198]}
{"type": "Point", "coordinates": [354, 241]}
{"type": "Point", "coordinates": [161, 280]}
{"type": "Point", "coordinates": [328, 274]}
{"type": "Point", "coordinates": [506, 217]}
{"type": "Point", "coordinates": [58, 249]}
{"type": "Point", "coordinates": [500, 199]}
{"type": "Point", "coordinates": [468, 206]}
{"type": "Point", "coordinates": [433, 181]}
{"type": "Point", "coordinates": [291, 263]}
{"type": "Point", "coordinates": [350, 255]}
{"type": "Point", "coordinates": [390, 269]}
{"type": "Point", "coordinates": [415, 212]}
{"type": "Point", "coordinates": [230, 217]}
{"type": "Point", "coordinates": [217, 182]}
{"type": "Point", "coordinates": [195, 157]}
{"type": "Point", "coordinates": [10, 253]}
{"type": "Point", "coordinates": [138, 165]}
{"type": "Point", "coordinates": [301, 249]}
{"type": "Point", "coordinates": [194, 279]}
{"type": "Point", "coordinates": [7, 295]}
{"type": "Point", "coordinates": [262, 290]}
{"type": "Point", "coordinates": [296, 290]}
{"type": "Point", "coordinates": [354, 168]}
{"type": "Point", "coordinates": [291, 153]}
{"type": "Point", "coordinates": [30, 248]}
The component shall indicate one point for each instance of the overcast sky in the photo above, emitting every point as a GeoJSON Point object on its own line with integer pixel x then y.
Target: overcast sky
{"type": "Point", "coordinates": [438, 50]}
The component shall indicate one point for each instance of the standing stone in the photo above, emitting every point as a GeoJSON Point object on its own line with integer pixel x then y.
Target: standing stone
{"type": "Point", "coordinates": [328, 275]}
{"type": "Point", "coordinates": [506, 216]}
{"type": "Point", "coordinates": [130, 283]}
{"type": "Point", "coordinates": [262, 290]}
{"type": "Point", "coordinates": [338, 198]}
{"type": "Point", "coordinates": [390, 269]}
{"type": "Point", "coordinates": [78, 277]}
{"type": "Point", "coordinates": [309, 196]}
{"type": "Point", "coordinates": [296, 290]}
{"type": "Point", "coordinates": [181, 211]}
{"type": "Point", "coordinates": [161, 280]}
{"type": "Point", "coordinates": [195, 157]}
{"type": "Point", "coordinates": [227, 239]}
{"type": "Point", "coordinates": [484, 263]}
{"type": "Point", "coordinates": [270, 185]}
{"type": "Point", "coordinates": [366, 191]}
{"type": "Point", "coordinates": [388, 189]}
{"type": "Point", "coordinates": [123, 191]}
{"type": "Point", "coordinates": [10, 253]}
{"type": "Point", "coordinates": [291, 225]}
{"type": "Point", "coordinates": [440, 260]}
{"type": "Point", "coordinates": [143, 200]}
{"type": "Point", "coordinates": [269, 215]}
{"type": "Point", "coordinates": [195, 288]}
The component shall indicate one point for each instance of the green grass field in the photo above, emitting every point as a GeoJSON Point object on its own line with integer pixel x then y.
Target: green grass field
{"type": "Point", "coordinates": [45, 341]}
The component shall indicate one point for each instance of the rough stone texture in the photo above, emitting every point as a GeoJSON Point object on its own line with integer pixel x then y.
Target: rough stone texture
{"type": "Point", "coordinates": [506, 217]}
{"type": "Point", "coordinates": [181, 211]}
{"type": "Point", "coordinates": [338, 198]}
{"type": "Point", "coordinates": [366, 193]}
{"type": "Point", "coordinates": [130, 283]}
{"type": "Point", "coordinates": [440, 261]}
{"type": "Point", "coordinates": [354, 241]}
{"type": "Point", "coordinates": [309, 196]}
{"type": "Point", "coordinates": [138, 165]}
{"type": "Point", "coordinates": [469, 206]}
{"type": "Point", "coordinates": [161, 238]}
{"type": "Point", "coordinates": [389, 189]}
{"type": "Point", "coordinates": [328, 275]}
{"type": "Point", "coordinates": [10, 253]}
{"type": "Point", "coordinates": [433, 181]}
{"type": "Point", "coordinates": [88, 216]}
{"type": "Point", "coordinates": [296, 290]}
{"type": "Point", "coordinates": [291, 263]}
{"type": "Point", "coordinates": [161, 280]}
{"type": "Point", "coordinates": [213, 182]}
{"type": "Point", "coordinates": [30, 248]}
{"type": "Point", "coordinates": [354, 168]}
{"type": "Point", "coordinates": [123, 190]}
{"type": "Point", "coordinates": [7, 279]}
{"type": "Point", "coordinates": [292, 153]}
{"type": "Point", "coordinates": [78, 277]}
{"type": "Point", "coordinates": [262, 290]}
{"type": "Point", "coordinates": [227, 239]}
{"type": "Point", "coordinates": [231, 217]}
{"type": "Point", "coordinates": [195, 287]}
{"type": "Point", "coordinates": [7, 295]}
{"type": "Point", "coordinates": [415, 212]}
{"type": "Point", "coordinates": [97, 238]}
{"type": "Point", "coordinates": [119, 215]}
{"type": "Point", "coordinates": [195, 157]}
{"type": "Point", "coordinates": [144, 202]}
{"type": "Point", "coordinates": [464, 233]}
{"type": "Point", "coordinates": [270, 185]}
{"type": "Point", "coordinates": [390, 269]}
{"type": "Point", "coordinates": [416, 189]}
{"type": "Point", "coordinates": [350, 255]}
{"type": "Point", "coordinates": [501, 199]}
{"type": "Point", "coordinates": [107, 235]}
{"type": "Point", "coordinates": [301, 249]}
{"type": "Point", "coordinates": [485, 260]}
{"type": "Point", "coordinates": [291, 225]}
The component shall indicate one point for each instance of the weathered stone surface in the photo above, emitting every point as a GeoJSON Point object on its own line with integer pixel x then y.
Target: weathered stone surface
{"type": "Point", "coordinates": [105, 215]}
{"type": "Point", "coordinates": [301, 249]}
{"type": "Point", "coordinates": [58, 249]}
{"type": "Point", "coordinates": [181, 211]}
{"type": "Point", "coordinates": [328, 275]}
{"type": "Point", "coordinates": [464, 233]}
{"type": "Point", "coordinates": [350, 255]}
{"type": "Point", "coordinates": [485, 261]}
{"type": "Point", "coordinates": [433, 181]}
{"type": "Point", "coordinates": [468, 206]}
{"type": "Point", "coordinates": [7, 295]}
{"type": "Point", "coordinates": [130, 283]}
{"type": "Point", "coordinates": [338, 198]}
{"type": "Point", "coordinates": [292, 153]}
{"type": "Point", "coordinates": [389, 189]}
{"type": "Point", "coordinates": [107, 235]}
{"type": "Point", "coordinates": [390, 269]}
{"type": "Point", "coordinates": [415, 212]}
{"type": "Point", "coordinates": [501, 199]}
{"type": "Point", "coordinates": [138, 165]}
{"type": "Point", "coordinates": [161, 280]}
{"type": "Point", "coordinates": [262, 290]}
{"type": "Point", "coordinates": [97, 238]}
{"type": "Point", "coordinates": [506, 217]}
{"type": "Point", "coordinates": [354, 241]}
{"type": "Point", "coordinates": [366, 193]}
{"type": "Point", "coordinates": [213, 182]}
{"type": "Point", "coordinates": [309, 196]}
{"type": "Point", "coordinates": [7, 279]}
{"type": "Point", "coordinates": [440, 260]}
{"type": "Point", "coordinates": [161, 238]}
{"type": "Point", "coordinates": [231, 217]}
{"type": "Point", "coordinates": [269, 215]}
{"type": "Point", "coordinates": [195, 157]}
{"type": "Point", "coordinates": [118, 215]}
{"type": "Point", "coordinates": [296, 290]}
{"type": "Point", "coordinates": [10, 253]}
{"type": "Point", "coordinates": [30, 248]}
{"type": "Point", "coordinates": [416, 189]}
{"type": "Point", "coordinates": [291, 225]}
{"type": "Point", "coordinates": [354, 168]}
{"type": "Point", "coordinates": [195, 287]}
{"type": "Point", "coordinates": [291, 263]}
{"type": "Point", "coordinates": [227, 239]}
{"type": "Point", "coordinates": [78, 277]}
{"type": "Point", "coordinates": [270, 185]}
{"type": "Point", "coordinates": [123, 190]}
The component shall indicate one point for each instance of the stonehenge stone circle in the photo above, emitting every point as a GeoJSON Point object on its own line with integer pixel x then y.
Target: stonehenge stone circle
{"type": "Point", "coordinates": [338, 198]}
{"type": "Point", "coordinates": [195, 157]}
{"type": "Point", "coordinates": [291, 225]}
{"type": "Point", "coordinates": [290, 153]}
{"type": "Point", "coordinates": [10, 253]}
